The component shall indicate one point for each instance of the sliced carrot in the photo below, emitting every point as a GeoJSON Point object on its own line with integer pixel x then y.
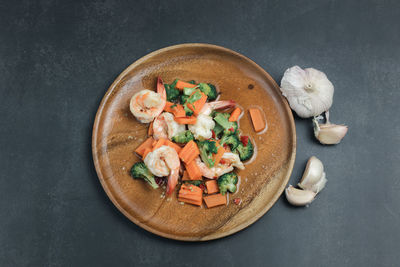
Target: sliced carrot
{"type": "Point", "coordinates": [217, 157]}
{"type": "Point", "coordinates": [189, 201]}
{"type": "Point", "coordinates": [193, 170]}
{"type": "Point", "coordinates": [185, 176]}
{"type": "Point", "coordinates": [176, 109]}
{"type": "Point", "coordinates": [212, 187]}
{"type": "Point", "coordinates": [235, 114]}
{"type": "Point", "coordinates": [146, 151]}
{"type": "Point", "coordinates": [150, 130]}
{"type": "Point", "coordinates": [146, 144]}
{"type": "Point", "coordinates": [173, 145]}
{"type": "Point", "coordinates": [189, 152]}
{"type": "Point", "coordinates": [160, 142]}
{"type": "Point", "coordinates": [168, 105]}
{"type": "Point", "coordinates": [190, 194]}
{"type": "Point", "coordinates": [186, 120]}
{"type": "Point", "coordinates": [181, 84]}
{"type": "Point", "coordinates": [198, 104]}
{"type": "Point", "coordinates": [257, 119]}
{"type": "Point", "coordinates": [215, 200]}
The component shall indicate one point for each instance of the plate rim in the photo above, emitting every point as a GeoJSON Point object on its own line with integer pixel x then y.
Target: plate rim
{"type": "Point", "coordinates": [212, 236]}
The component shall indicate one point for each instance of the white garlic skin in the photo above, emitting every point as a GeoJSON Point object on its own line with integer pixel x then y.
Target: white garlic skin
{"type": "Point", "coordinates": [308, 91]}
{"type": "Point", "coordinates": [298, 197]}
{"type": "Point", "coordinates": [314, 178]}
{"type": "Point", "coordinates": [329, 134]}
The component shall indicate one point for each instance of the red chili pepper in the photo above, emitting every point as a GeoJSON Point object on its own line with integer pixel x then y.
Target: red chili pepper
{"type": "Point", "coordinates": [231, 129]}
{"type": "Point", "coordinates": [244, 140]}
{"type": "Point", "coordinates": [237, 201]}
{"type": "Point", "coordinates": [202, 187]}
{"type": "Point", "coordinates": [222, 161]}
{"type": "Point", "coordinates": [213, 133]}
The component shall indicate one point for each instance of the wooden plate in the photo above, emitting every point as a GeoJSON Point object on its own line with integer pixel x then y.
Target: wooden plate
{"type": "Point", "coordinates": [116, 134]}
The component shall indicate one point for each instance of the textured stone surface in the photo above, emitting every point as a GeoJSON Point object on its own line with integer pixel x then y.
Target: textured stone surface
{"type": "Point", "coordinates": [58, 58]}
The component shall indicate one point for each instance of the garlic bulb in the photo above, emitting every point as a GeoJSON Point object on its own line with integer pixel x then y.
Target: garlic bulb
{"type": "Point", "coordinates": [308, 91]}
{"type": "Point", "coordinates": [298, 197]}
{"type": "Point", "coordinates": [314, 178]}
{"type": "Point", "coordinates": [328, 133]}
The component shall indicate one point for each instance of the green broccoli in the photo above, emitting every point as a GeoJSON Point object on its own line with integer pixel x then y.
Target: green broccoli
{"type": "Point", "coordinates": [230, 127]}
{"type": "Point", "coordinates": [188, 111]}
{"type": "Point", "coordinates": [232, 140]}
{"type": "Point", "coordinates": [209, 90]}
{"type": "Point", "coordinates": [218, 130]}
{"type": "Point", "coordinates": [245, 151]}
{"type": "Point", "coordinates": [140, 171]}
{"type": "Point", "coordinates": [207, 147]}
{"type": "Point", "coordinates": [188, 91]}
{"type": "Point", "coordinates": [183, 137]}
{"type": "Point", "coordinates": [172, 93]}
{"type": "Point", "coordinates": [195, 182]}
{"type": "Point", "coordinates": [194, 97]}
{"type": "Point", "coordinates": [227, 182]}
{"type": "Point", "coordinates": [183, 98]}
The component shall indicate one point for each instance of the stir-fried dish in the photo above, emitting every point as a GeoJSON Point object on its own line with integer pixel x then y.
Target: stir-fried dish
{"type": "Point", "coordinates": [194, 142]}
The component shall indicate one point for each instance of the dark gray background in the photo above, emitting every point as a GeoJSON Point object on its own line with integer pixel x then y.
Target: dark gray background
{"type": "Point", "coordinates": [57, 59]}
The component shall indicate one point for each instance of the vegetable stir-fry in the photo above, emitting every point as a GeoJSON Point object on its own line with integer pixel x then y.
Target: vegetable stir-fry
{"type": "Point", "coordinates": [194, 141]}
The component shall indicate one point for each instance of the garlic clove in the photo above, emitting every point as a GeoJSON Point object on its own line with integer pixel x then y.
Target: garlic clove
{"type": "Point", "coordinates": [313, 177]}
{"type": "Point", "coordinates": [329, 134]}
{"type": "Point", "coordinates": [298, 197]}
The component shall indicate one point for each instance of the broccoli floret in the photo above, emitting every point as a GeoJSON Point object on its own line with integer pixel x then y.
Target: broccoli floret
{"type": "Point", "coordinates": [209, 90]}
{"type": "Point", "coordinates": [207, 147]}
{"type": "Point", "coordinates": [245, 151]}
{"type": "Point", "coordinates": [188, 111]}
{"type": "Point", "coordinates": [232, 140]}
{"type": "Point", "coordinates": [195, 182]}
{"type": "Point", "coordinates": [172, 93]}
{"type": "Point", "coordinates": [183, 98]}
{"type": "Point", "coordinates": [188, 91]}
{"type": "Point", "coordinates": [227, 182]}
{"type": "Point", "coordinates": [183, 137]}
{"type": "Point", "coordinates": [218, 130]}
{"type": "Point", "coordinates": [230, 127]}
{"type": "Point", "coordinates": [140, 171]}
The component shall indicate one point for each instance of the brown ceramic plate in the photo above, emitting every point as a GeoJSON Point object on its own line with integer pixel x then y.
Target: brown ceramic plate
{"type": "Point", "coordinates": [116, 134]}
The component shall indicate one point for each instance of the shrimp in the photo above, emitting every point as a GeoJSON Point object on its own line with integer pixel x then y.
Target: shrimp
{"type": "Point", "coordinates": [210, 106]}
{"type": "Point", "coordinates": [145, 105]}
{"type": "Point", "coordinates": [164, 126]}
{"type": "Point", "coordinates": [164, 161]}
{"type": "Point", "coordinates": [228, 161]}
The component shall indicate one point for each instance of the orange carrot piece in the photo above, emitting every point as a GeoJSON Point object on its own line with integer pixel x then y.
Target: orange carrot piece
{"type": "Point", "coordinates": [235, 114]}
{"type": "Point", "coordinates": [173, 145]}
{"type": "Point", "coordinates": [150, 130]}
{"type": "Point", "coordinates": [146, 144]}
{"type": "Point", "coordinates": [176, 109]}
{"type": "Point", "coordinates": [198, 104]}
{"type": "Point", "coordinates": [190, 194]}
{"type": "Point", "coordinates": [212, 187]}
{"type": "Point", "coordinates": [215, 200]}
{"type": "Point", "coordinates": [257, 119]}
{"type": "Point", "coordinates": [160, 142]}
{"type": "Point", "coordinates": [146, 151]}
{"type": "Point", "coordinates": [185, 176]}
{"type": "Point", "coordinates": [193, 170]}
{"type": "Point", "coordinates": [168, 105]}
{"type": "Point", "coordinates": [217, 157]}
{"type": "Point", "coordinates": [186, 120]}
{"type": "Point", "coordinates": [190, 201]}
{"type": "Point", "coordinates": [189, 152]}
{"type": "Point", "coordinates": [181, 84]}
